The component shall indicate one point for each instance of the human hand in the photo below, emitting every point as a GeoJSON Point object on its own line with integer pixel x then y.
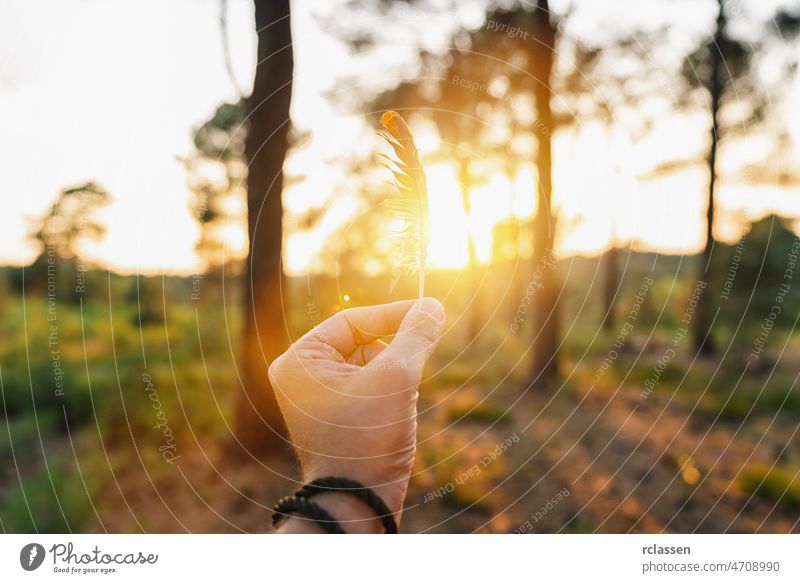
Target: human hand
{"type": "Point", "coordinates": [350, 400]}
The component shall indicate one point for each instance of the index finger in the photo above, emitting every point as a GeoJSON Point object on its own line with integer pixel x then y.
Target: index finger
{"type": "Point", "coordinates": [350, 328]}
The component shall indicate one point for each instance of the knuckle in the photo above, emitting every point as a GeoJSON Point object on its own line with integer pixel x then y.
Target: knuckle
{"type": "Point", "coordinates": [425, 331]}
{"type": "Point", "coordinates": [404, 377]}
{"type": "Point", "coordinates": [275, 369]}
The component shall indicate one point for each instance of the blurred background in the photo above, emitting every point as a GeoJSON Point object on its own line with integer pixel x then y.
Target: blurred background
{"type": "Point", "coordinates": [614, 196]}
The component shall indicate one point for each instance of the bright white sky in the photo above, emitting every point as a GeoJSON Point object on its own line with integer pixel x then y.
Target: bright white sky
{"type": "Point", "coordinates": [110, 90]}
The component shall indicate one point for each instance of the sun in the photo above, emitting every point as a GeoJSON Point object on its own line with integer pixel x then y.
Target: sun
{"type": "Point", "coordinates": [603, 204]}
{"type": "Point", "coordinates": [497, 199]}
{"type": "Point", "coordinates": [449, 224]}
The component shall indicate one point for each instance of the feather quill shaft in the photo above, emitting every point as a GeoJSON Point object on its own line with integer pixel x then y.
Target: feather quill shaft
{"type": "Point", "coordinates": [411, 206]}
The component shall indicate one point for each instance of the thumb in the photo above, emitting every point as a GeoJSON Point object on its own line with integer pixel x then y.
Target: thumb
{"type": "Point", "coordinates": [418, 334]}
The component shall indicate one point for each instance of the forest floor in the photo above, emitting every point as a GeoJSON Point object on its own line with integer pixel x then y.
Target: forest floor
{"type": "Point", "coordinates": [709, 449]}
{"type": "Point", "coordinates": [579, 461]}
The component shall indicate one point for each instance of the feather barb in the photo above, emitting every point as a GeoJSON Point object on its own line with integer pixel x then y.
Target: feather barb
{"type": "Point", "coordinates": [411, 204]}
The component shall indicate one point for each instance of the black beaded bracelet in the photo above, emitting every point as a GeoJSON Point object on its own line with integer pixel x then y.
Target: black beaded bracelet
{"type": "Point", "coordinates": [306, 508]}
{"type": "Point", "coordinates": [353, 488]}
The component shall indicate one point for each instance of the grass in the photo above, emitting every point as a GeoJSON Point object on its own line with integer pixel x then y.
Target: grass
{"type": "Point", "coordinates": [100, 357]}
{"type": "Point", "coordinates": [191, 361]}
{"type": "Point", "coordinates": [751, 397]}
{"type": "Point", "coordinates": [47, 502]}
{"type": "Point", "coordinates": [20, 435]}
{"type": "Point", "coordinates": [579, 525]}
{"type": "Point", "coordinates": [479, 413]}
{"type": "Point", "coordinates": [780, 485]}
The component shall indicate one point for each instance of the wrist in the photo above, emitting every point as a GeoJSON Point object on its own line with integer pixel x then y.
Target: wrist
{"type": "Point", "coordinates": [392, 493]}
{"type": "Point", "coordinates": [353, 516]}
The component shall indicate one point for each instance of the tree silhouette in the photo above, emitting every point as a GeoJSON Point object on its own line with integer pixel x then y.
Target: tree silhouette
{"type": "Point", "coordinates": [473, 111]}
{"type": "Point", "coordinates": [723, 71]}
{"type": "Point", "coordinates": [756, 287]}
{"type": "Point", "coordinates": [544, 372]}
{"type": "Point", "coordinates": [723, 50]}
{"type": "Point", "coordinates": [492, 100]}
{"type": "Point", "coordinates": [259, 425]}
{"type": "Point", "coordinates": [70, 221]}
{"type": "Point", "coordinates": [61, 232]}
{"type": "Point", "coordinates": [217, 173]}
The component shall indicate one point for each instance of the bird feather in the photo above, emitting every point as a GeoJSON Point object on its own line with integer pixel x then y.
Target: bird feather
{"type": "Point", "coordinates": [410, 205]}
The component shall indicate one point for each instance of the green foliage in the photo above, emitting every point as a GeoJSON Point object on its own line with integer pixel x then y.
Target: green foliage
{"type": "Point", "coordinates": [222, 136]}
{"type": "Point", "coordinates": [48, 502]}
{"type": "Point", "coordinates": [21, 435]}
{"type": "Point", "coordinates": [217, 173]}
{"type": "Point", "coordinates": [735, 54]}
{"type": "Point", "coordinates": [40, 380]}
{"type": "Point", "coordinates": [479, 413]}
{"type": "Point", "coordinates": [578, 525]}
{"type": "Point", "coordinates": [751, 398]}
{"type": "Point", "coordinates": [781, 485]}
{"type": "Point", "coordinates": [748, 280]}
{"type": "Point", "coordinates": [148, 297]}
{"type": "Point", "coordinates": [763, 264]}
{"type": "Point", "coordinates": [70, 220]}
{"type": "Point", "coordinates": [190, 361]}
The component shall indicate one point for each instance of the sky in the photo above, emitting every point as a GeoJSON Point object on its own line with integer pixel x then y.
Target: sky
{"type": "Point", "coordinates": [110, 90]}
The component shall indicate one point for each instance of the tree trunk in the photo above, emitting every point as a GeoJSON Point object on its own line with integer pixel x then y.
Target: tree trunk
{"type": "Point", "coordinates": [612, 283]}
{"type": "Point", "coordinates": [544, 373]}
{"type": "Point", "coordinates": [702, 324]}
{"type": "Point", "coordinates": [259, 425]}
